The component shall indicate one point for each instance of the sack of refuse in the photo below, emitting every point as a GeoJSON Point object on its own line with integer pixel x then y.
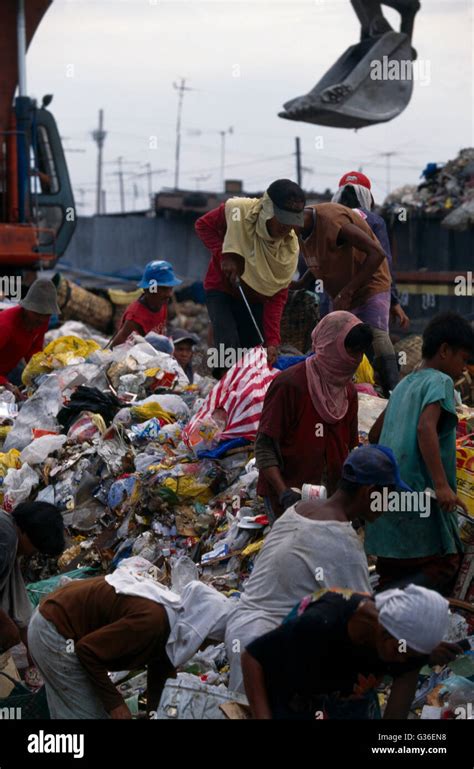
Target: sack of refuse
{"type": "Point", "coordinates": [39, 449]}
{"type": "Point", "coordinates": [64, 351]}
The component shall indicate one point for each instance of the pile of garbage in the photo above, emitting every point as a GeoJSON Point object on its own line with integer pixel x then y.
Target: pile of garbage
{"type": "Point", "coordinates": [101, 437]}
{"type": "Point", "coordinates": [446, 189]}
{"type": "Point", "coordinates": [141, 464]}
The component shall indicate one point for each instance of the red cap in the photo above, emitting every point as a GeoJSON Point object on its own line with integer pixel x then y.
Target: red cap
{"type": "Point", "coordinates": [354, 177]}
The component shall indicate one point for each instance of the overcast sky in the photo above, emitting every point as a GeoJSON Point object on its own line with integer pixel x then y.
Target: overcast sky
{"type": "Point", "coordinates": [243, 60]}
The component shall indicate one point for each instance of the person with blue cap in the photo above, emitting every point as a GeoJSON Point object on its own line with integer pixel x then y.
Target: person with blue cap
{"type": "Point", "coordinates": [150, 311]}
{"type": "Point", "coordinates": [312, 546]}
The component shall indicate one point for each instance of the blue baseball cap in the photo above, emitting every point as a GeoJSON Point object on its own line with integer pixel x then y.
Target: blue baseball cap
{"type": "Point", "coordinates": [373, 465]}
{"type": "Point", "coordinates": [159, 273]}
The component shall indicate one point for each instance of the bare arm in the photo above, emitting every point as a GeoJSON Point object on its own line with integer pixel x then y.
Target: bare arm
{"type": "Point", "coordinates": [304, 282]}
{"type": "Point", "coordinates": [9, 632]}
{"type": "Point", "coordinates": [124, 332]}
{"type": "Point", "coordinates": [401, 696]}
{"type": "Point", "coordinates": [255, 688]}
{"type": "Point", "coordinates": [351, 234]}
{"type": "Point", "coordinates": [268, 462]}
{"type": "Point", "coordinates": [376, 429]}
{"type": "Point", "coordinates": [428, 441]}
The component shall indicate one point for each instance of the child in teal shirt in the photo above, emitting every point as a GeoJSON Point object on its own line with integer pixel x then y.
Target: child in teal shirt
{"type": "Point", "coordinates": [419, 425]}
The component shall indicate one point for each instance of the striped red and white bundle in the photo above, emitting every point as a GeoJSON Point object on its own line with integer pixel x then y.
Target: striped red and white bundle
{"type": "Point", "coordinates": [240, 393]}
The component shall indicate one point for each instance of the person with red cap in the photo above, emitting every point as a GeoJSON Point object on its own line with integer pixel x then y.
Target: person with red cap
{"type": "Point", "coordinates": [342, 252]}
{"type": "Point", "coordinates": [355, 192]}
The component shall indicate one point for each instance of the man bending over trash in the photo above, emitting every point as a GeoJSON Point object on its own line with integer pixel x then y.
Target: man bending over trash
{"type": "Point", "coordinates": [330, 654]}
{"type": "Point", "coordinates": [122, 621]}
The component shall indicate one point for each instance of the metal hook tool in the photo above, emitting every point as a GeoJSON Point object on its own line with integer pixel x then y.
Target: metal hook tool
{"type": "Point", "coordinates": [238, 284]}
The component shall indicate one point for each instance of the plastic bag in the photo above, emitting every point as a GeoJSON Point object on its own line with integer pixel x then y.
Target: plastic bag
{"type": "Point", "coordinates": [131, 383]}
{"type": "Point", "coordinates": [87, 427]}
{"type": "Point", "coordinates": [146, 431]}
{"type": "Point", "coordinates": [204, 435]}
{"type": "Point", "coordinates": [8, 407]}
{"type": "Point", "coordinates": [10, 460]}
{"type": "Point", "coordinates": [77, 329]}
{"type": "Point", "coordinates": [173, 404]}
{"type": "Point", "coordinates": [18, 485]}
{"type": "Point", "coordinates": [183, 571]}
{"type": "Point", "coordinates": [365, 372]}
{"type": "Point", "coordinates": [120, 490]}
{"type": "Point", "coordinates": [39, 412]}
{"type": "Point", "coordinates": [370, 408]}
{"type": "Point", "coordinates": [39, 449]}
{"type": "Point", "coordinates": [149, 410]}
{"type": "Point", "coordinates": [61, 352]}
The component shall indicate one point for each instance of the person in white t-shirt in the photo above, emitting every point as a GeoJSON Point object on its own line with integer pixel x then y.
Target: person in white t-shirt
{"type": "Point", "coordinates": [313, 545]}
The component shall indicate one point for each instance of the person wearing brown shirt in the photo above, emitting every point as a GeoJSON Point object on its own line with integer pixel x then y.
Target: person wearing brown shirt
{"type": "Point", "coordinates": [343, 253]}
{"type": "Point", "coordinates": [86, 629]}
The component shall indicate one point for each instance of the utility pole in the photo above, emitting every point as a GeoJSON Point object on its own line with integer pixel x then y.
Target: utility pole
{"type": "Point", "coordinates": [388, 156]}
{"type": "Point", "coordinates": [99, 138]}
{"type": "Point", "coordinates": [150, 180]}
{"type": "Point", "coordinates": [298, 161]}
{"type": "Point", "coordinates": [223, 135]}
{"type": "Point", "coordinates": [122, 191]}
{"type": "Point", "coordinates": [181, 88]}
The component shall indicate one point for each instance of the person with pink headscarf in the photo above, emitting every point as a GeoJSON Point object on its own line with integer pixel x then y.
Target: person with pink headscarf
{"type": "Point", "coordinates": [309, 417]}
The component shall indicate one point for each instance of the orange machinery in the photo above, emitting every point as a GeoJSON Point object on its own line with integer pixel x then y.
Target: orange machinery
{"type": "Point", "coordinates": [37, 211]}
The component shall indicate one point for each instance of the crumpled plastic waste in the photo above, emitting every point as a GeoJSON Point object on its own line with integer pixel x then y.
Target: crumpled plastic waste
{"type": "Point", "coordinates": [146, 431]}
{"type": "Point", "coordinates": [121, 490]}
{"type": "Point", "coordinates": [87, 427]}
{"type": "Point", "coordinates": [8, 407]}
{"type": "Point", "coordinates": [64, 351]}
{"type": "Point", "coordinates": [149, 410]}
{"type": "Point", "coordinates": [77, 329]}
{"type": "Point", "coordinates": [183, 571]}
{"type": "Point", "coordinates": [39, 411]}
{"type": "Point", "coordinates": [18, 485]}
{"type": "Point", "coordinates": [39, 449]}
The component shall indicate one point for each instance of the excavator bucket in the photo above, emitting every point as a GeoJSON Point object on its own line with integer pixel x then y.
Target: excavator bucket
{"type": "Point", "coordinates": [370, 83]}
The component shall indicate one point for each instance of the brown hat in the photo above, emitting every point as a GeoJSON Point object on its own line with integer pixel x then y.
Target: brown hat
{"type": "Point", "coordinates": [41, 298]}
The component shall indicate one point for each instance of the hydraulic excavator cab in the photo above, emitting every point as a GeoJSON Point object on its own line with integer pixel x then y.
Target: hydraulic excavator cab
{"type": "Point", "coordinates": [37, 214]}
{"type": "Point", "coordinates": [370, 83]}
{"type": "Point", "coordinates": [51, 195]}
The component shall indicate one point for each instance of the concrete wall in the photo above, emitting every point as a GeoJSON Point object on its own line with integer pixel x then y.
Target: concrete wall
{"type": "Point", "coordinates": [111, 243]}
